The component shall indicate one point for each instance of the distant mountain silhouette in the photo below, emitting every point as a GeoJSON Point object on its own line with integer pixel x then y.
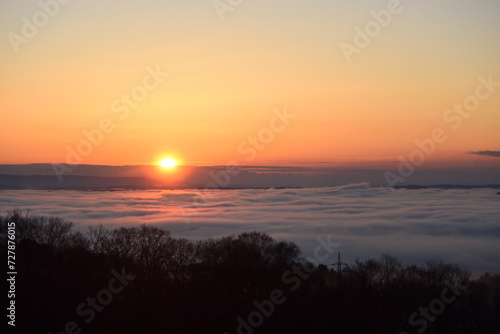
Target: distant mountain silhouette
{"type": "Point", "coordinates": [98, 177]}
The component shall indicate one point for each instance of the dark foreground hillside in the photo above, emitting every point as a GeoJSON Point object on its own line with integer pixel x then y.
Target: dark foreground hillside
{"type": "Point", "coordinates": [141, 280]}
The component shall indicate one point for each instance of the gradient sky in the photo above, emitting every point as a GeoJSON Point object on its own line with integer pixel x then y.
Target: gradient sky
{"type": "Point", "coordinates": [226, 77]}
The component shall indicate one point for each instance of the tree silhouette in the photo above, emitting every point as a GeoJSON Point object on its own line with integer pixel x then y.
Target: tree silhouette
{"type": "Point", "coordinates": [204, 286]}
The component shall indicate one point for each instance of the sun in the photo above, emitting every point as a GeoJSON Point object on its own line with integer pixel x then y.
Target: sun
{"type": "Point", "coordinates": [168, 163]}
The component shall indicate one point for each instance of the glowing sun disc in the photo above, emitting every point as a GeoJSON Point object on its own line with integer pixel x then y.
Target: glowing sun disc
{"type": "Point", "coordinates": [168, 163]}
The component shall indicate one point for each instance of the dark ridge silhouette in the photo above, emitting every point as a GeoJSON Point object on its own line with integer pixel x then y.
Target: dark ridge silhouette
{"type": "Point", "coordinates": [142, 280]}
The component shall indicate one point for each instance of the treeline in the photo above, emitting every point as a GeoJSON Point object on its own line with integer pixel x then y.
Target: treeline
{"type": "Point", "coordinates": [142, 280]}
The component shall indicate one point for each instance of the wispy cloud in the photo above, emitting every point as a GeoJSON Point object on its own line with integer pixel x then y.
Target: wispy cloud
{"type": "Point", "coordinates": [487, 153]}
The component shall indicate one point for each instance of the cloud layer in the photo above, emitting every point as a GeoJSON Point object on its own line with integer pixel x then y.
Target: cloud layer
{"type": "Point", "coordinates": [455, 225]}
{"type": "Point", "coordinates": [487, 153]}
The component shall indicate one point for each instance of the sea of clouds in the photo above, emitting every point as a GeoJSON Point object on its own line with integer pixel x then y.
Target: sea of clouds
{"type": "Point", "coordinates": [419, 225]}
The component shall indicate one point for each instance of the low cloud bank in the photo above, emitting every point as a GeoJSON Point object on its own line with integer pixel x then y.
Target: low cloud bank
{"type": "Point", "coordinates": [416, 225]}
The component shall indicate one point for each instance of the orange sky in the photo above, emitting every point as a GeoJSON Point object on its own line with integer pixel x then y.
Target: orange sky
{"type": "Point", "coordinates": [227, 80]}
